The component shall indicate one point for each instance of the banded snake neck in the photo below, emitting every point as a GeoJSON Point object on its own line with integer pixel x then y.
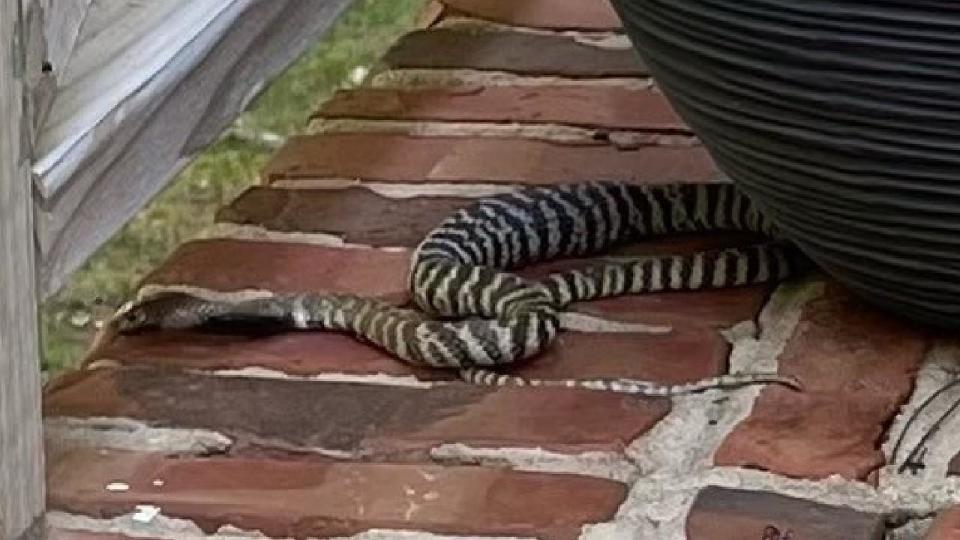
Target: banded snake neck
{"type": "Point", "coordinates": [473, 314]}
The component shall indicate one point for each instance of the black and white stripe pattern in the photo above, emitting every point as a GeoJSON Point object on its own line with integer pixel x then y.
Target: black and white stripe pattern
{"type": "Point", "coordinates": [475, 314]}
{"type": "Point", "coordinates": [460, 269]}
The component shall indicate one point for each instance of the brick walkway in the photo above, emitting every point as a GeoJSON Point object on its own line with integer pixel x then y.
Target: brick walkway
{"type": "Point", "coordinates": [316, 435]}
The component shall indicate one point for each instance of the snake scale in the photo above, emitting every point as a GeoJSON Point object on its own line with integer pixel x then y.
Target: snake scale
{"type": "Point", "coordinates": [475, 314]}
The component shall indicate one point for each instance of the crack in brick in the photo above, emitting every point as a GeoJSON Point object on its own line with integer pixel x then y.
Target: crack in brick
{"type": "Point", "coordinates": [413, 78]}
{"type": "Point", "coordinates": [610, 465]}
{"type": "Point", "coordinates": [601, 39]}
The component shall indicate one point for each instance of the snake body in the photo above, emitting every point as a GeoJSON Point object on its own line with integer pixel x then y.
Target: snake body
{"type": "Point", "coordinates": [475, 314]}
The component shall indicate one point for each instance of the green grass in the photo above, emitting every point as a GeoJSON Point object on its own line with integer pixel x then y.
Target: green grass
{"type": "Point", "coordinates": [215, 177]}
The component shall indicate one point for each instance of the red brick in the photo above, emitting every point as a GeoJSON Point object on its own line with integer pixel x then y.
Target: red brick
{"type": "Point", "coordinates": [229, 265]}
{"type": "Point", "coordinates": [357, 215]}
{"type": "Point", "coordinates": [586, 106]}
{"type": "Point", "coordinates": [430, 14]}
{"type": "Point", "coordinates": [360, 420]}
{"type": "Point", "coordinates": [522, 53]}
{"type": "Point", "coordinates": [360, 216]}
{"type": "Point", "coordinates": [593, 15]}
{"type": "Point", "coordinates": [733, 514]}
{"type": "Point", "coordinates": [687, 353]}
{"type": "Point", "coordinates": [398, 158]}
{"type": "Point", "coordinates": [718, 309]}
{"type": "Point", "coordinates": [953, 468]}
{"type": "Point", "coordinates": [300, 499]}
{"type": "Point", "coordinates": [946, 526]}
{"type": "Point", "coordinates": [858, 367]}
{"type": "Point", "coordinates": [61, 534]}
{"type": "Point", "coordinates": [295, 353]}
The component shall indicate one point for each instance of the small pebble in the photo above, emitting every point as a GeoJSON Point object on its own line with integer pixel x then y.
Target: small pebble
{"type": "Point", "coordinates": [80, 319]}
{"type": "Point", "coordinates": [118, 486]}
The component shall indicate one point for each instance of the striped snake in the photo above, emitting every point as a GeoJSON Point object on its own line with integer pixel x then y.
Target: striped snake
{"type": "Point", "coordinates": [474, 314]}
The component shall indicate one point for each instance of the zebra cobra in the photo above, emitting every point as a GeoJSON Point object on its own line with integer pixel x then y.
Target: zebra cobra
{"type": "Point", "coordinates": [475, 314]}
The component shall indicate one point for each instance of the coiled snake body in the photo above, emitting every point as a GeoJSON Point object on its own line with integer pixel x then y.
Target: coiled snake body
{"type": "Point", "coordinates": [474, 314]}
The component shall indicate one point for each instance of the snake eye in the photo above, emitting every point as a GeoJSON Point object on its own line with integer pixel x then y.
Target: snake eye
{"type": "Point", "coordinates": [134, 319]}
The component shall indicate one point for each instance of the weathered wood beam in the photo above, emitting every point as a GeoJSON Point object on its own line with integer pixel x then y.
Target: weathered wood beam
{"type": "Point", "coordinates": [167, 121]}
{"type": "Point", "coordinates": [21, 450]}
{"type": "Point", "coordinates": [52, 28]}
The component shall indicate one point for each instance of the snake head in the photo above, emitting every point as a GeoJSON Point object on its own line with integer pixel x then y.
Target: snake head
{"type": "Point", "coordinates": [133, 318]}
{"type": "Point", "coordinates": [174, 310]}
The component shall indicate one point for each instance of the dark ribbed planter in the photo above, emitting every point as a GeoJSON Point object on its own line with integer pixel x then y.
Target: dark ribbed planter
{"type": "Point", "coordinates": [841, 118]}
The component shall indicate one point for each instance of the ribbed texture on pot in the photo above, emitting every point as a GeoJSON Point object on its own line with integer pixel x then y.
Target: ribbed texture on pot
{"type": "Point", "coordinates": [841, 118]}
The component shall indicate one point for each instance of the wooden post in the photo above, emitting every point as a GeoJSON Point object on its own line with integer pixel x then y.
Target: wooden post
{"type": "Point", "coordinates": [21, 450]}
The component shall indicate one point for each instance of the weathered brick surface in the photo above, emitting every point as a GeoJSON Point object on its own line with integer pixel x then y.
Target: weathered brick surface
{"type": "Point", "coordinates": [61, 534]}
{"type": "Point", "coordinates": [687, 353]}
{"type": "Point", "coordinates": [300, 499]}
{"type": "Point", "coordinates": [363, 421]}
{"type": "Point", "coordinates": [946, 526]}
{"type": "Point", "coordinates": [294, 353]}
{"type": "Point", "coordinates": [733, 514]}
{"type": "Point", "coordinates": [403, 222]}
{"type": "Point", "coordinates": [399, 158]}
{"type": "Point", "coordinates": [357, 215]}
{"type": "Point", "coordinates": [610, 107]}
{"type": "Point", "coordinates": [229, 265]}
{"type": "Point", "coordinates": [361, 216]}
{"type": "Point", "coordinates": [514, 52]}
{"type": "Point", "coordinates": [857, 366]}
{"type": "Point", "coordinates": [719, 309]}
{"type": "Point", "coordinates": [553, 14]}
